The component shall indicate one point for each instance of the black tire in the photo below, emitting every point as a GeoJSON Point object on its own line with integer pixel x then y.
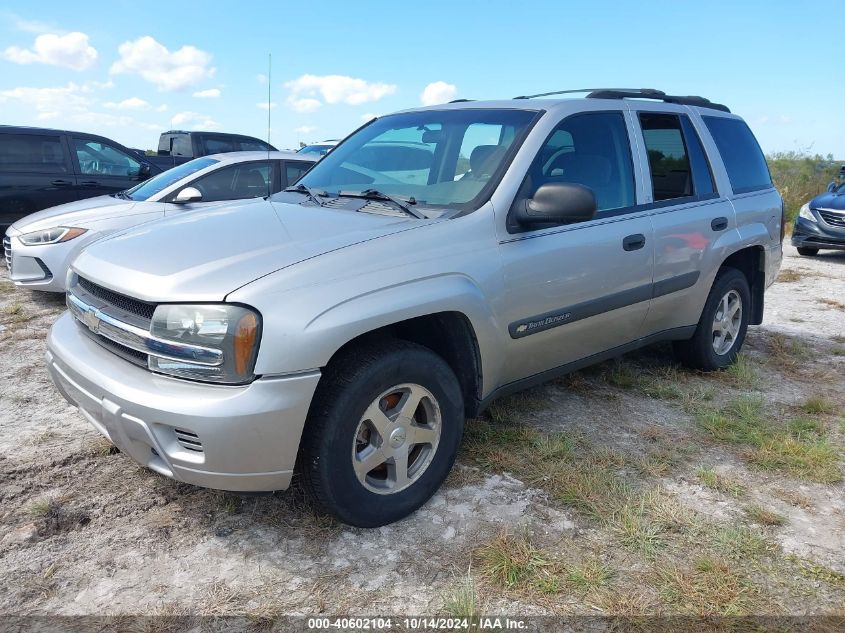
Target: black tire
{"type": "Point", "coordinates": [349, 385]}
{"type": "Point", "coordinates": [698, 352]}
{"type": "Point", "coordinates": [807, 252]}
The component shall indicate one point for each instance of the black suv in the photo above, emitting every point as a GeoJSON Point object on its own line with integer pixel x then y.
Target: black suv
{"type": "Point", "coordinates": [41, 168]}
{"type": "Point", "coordinates": [821, 222]}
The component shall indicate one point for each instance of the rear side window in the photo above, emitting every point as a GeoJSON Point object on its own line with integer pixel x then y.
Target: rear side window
{"type": "Point", "coordinates": [741, 154]}
{"type": "Point", "coordinates": [236, 182]}
{"type": "Point", "coordinates": [32, 152]}
{"type": "Point", "coordinates": [678, 165]}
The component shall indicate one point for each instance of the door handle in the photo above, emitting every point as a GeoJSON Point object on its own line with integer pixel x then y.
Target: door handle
{"type": "Point", "coordinates": [60, 183]}
{"type": "Point", "coordinates": [633, 242]}
{"type": "Point", "coordinates": [90, 183]}
{"type": "Point", "coordinates": [719, 224]}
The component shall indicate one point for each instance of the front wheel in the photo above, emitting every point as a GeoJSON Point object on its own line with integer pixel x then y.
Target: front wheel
{"type": "Point", "coordinates": [723, 324]}
{"type": "Point", "coordinates": [807, 252]}
{"type": "Point", "coordinates": [382, 433]}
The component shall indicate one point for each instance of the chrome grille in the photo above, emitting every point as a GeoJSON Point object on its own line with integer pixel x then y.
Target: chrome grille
{"type": "Point", "coordinates": [833, 218]}
{"type": "Point", "coordinates": [7, 248]}
{"type": "Point", "coordinates": [187, 440]}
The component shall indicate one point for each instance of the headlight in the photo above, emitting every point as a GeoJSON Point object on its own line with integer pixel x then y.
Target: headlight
{"type": "Point", "coordinates": [52, 236]}
{"type": "Point", "coordinates": [806, 213]}
{"type": "Point", "coordinates": [232, 329]}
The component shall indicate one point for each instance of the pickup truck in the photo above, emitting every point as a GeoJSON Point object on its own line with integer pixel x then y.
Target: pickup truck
{"type": "Point", "coordinates": [176, 147]}
{"type": "Point", "coordinates": [347, 326]}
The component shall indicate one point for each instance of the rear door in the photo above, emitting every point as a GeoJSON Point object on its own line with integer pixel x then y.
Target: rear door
{"type": "Point", "coordinates": [102, 168]}
{"type": "Point", "coordinates": [688, 214]}
{"type": "Point", "coordinates": [578, 289]}
{"type": "Point", "coordinates": [35, 173]}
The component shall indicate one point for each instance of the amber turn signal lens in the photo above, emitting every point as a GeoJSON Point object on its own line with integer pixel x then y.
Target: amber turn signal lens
{"type": "Point", "coordinates": [71, 234]}
{"type": "Point", "coordinates": [245, 333]}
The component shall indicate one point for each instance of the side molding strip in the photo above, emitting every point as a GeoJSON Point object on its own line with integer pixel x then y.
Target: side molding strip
{"type": "Point", "coordinates": [586, 309]}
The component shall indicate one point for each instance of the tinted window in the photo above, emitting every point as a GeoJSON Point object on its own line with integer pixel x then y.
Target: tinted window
{"type": "Point", "coordinates": [246, 180]}
{"type": "Point", "coordinates": [98, 159]}
{"type": "Point", "coordinates": [294, 171]}
{"type": "Point", "coordinates": [741, 154]}
{"type": "Point", "coordinates": [587, 149]}
{"type": "Point", "coordinates": [250, 146]}
{"type": "Point", "coordinates": [668, 161]}
{"type": "Point", "coordinates": [217, 146]}
{"type": "Point", "coordinates": [31, 152]}
{"type": "Point", "coordinates": [702, 176]}
{"type": "Point", "coordinates": [162, 181]}
{"type": "Point", "coordinates": [417, 154]}
{"type": "Point", "coordinates": [182, 146]}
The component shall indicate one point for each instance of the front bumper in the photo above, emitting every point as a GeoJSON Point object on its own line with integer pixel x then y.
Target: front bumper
{"type": "Point", "coordinates": [41, 267]}
{"type": "Point", "coordinates": [241, 438]}
{"type": "Point", "coordinates": [815, 235]}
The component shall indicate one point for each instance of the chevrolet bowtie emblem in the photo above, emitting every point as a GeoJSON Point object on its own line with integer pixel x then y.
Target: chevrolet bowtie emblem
{"type": "Point", "coordinates": [91, 320]}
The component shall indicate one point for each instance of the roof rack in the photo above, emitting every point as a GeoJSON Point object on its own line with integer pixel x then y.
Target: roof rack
{"type": "Point", "coordinates": [637, 93]}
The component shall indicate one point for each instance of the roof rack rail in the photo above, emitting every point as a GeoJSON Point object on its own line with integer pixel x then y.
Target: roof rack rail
{"type": "Point", "coordinates": [637, 93]}
{"type": "Point", "coordinates": [460, 100]}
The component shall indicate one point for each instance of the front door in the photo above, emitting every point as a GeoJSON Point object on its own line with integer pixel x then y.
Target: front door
{"type": "Point", "coordinates": [579, 289]}
{"type": "Point", "coordinates": [102, 168]}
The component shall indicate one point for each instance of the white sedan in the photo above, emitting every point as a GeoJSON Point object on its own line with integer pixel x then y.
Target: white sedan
{"type": "Point", "coordinates": [40, 247]}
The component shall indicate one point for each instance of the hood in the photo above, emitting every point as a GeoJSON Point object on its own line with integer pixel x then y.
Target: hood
{"type": "Point", "coordinates": [829, 201]}
{"type": "Point", "coordinates": [205, 255]}
{"type": "Point", "coordinates": [74, 213]}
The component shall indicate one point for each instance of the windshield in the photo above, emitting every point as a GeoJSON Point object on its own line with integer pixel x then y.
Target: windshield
{"type": "Point", "coordinates": [320, 150]}
{"type": "Point", "coordinates": [450, 158]}
{"type": "Point", "coordinates": [162, 181]}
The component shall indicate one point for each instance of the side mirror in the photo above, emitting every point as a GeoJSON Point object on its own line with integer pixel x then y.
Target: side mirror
{"type": "Point", "coordinates": [558, 203]}
{"type": "Point", "coordinates": [144, 171]}
{"type": "Point", "coordinates": [831, 187]}
{"type": "Point", "coordinates": [188, 194]}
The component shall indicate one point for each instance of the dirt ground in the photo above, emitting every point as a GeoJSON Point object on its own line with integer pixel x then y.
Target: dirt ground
{"type": "Point", "coordinates": [727, 521]}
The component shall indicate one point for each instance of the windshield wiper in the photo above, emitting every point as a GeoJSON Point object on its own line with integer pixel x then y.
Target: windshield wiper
{"type": "Point", "coordinates": [375, 194]}
{"type": "Point", "coordinates": [312, 195]}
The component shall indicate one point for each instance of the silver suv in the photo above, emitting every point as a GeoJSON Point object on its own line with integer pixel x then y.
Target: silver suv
{"type": "Point", "coordinates": [437, 259]}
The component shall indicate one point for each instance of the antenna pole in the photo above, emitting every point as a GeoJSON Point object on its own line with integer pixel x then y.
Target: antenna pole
{"type": "Point", "coordinates": [269, 92]}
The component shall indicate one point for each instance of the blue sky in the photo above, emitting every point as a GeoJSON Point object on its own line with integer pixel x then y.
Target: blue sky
{"type": "Point", "coordinates": [130, 69]}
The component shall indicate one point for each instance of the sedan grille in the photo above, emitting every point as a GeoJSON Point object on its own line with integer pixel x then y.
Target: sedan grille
{"type": "Point", "coordinates": [7, 248]}
{"type": "Point", "coordinates": [833, 218]}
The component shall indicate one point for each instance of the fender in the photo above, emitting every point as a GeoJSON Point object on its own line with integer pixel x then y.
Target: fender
{"type": "Point", "coordinates": [318, 339]}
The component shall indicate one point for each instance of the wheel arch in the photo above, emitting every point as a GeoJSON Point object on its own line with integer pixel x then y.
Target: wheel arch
{"type": "Point", "coordinates": [751, 262]}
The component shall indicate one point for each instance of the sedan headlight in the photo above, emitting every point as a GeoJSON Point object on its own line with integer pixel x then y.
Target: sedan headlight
{"type": "Point", "coordinates": [51, 236]}
{"type": "Point", "coordinates": [232, 330]}
{"type": "Point", "coordinates": [806, 213]}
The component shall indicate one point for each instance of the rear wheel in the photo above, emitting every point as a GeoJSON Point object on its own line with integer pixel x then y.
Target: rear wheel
{"type": "Point", "coordinates": [382, 434]}
{"type": "Point", "coordinates": [808, 252]}
{"type": "Point", "coordinates": [723, 324]}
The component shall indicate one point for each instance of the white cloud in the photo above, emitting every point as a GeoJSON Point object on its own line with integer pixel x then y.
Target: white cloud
{"type": "Point", "coordinates": [162, 108]}
{"type": "Point", "coordinates": [132, 103]}
{"type": "Point", "coordinates": [29, 26]}
{"type": "Point", "coordinates": [194, 120]}
{"type": "Point", "coordinates": [69, 51]}
{"type": "Point", "coordinates": [264, 105]}
{"type": "Point", "coordinates": [369, 116]}
{"type": "Point", "coordinates": [304, 105]}
{"type": "Point", "coordinates": [48, 103]}
{"type": "Point", "coordinates": [305, 90]}
{"type": "Point", "coordinates": [774, 120]}
{"type": "Point", "coordinates": [167, 70]}
{"type": "Point", "coordinates": [305, 129]}
{"type": "Point", "coordinates": [438, 92]}
{"type": "Point", "coordinates": [211, 93]}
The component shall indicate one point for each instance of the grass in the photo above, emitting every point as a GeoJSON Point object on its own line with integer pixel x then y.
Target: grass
{"type": "Point", "coordinates": [763, 516]}
{"type": "Point", "coordinates": [798, 447]}
{"type": "Point", "coordinates": [722, 483]}
{"type": "Point", "coordinates": [589, 576]}
{"type": "Point", "coordinates": [739, 542]}
{"type": "Point", "coordinates": [40, 507]}
{"type": "Point", "coordinates": [815, 405]}
{"type": "Point", "coordinates": [790, 276]}
{"type": "Point", "coordinates": [511, 560]}
{"type": "Point", "coordinates": [709, 586]}
{"type": "Point", "coordinates": [833, 303]}
{"type": "Point", "coordinates": [741, 373]}
{"type": "Point", "coordinates": [462, 601]}
{"type": "Point", "coordinates": [815, 571]}
{"type": "Point", "coordinates": [788, 353]}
